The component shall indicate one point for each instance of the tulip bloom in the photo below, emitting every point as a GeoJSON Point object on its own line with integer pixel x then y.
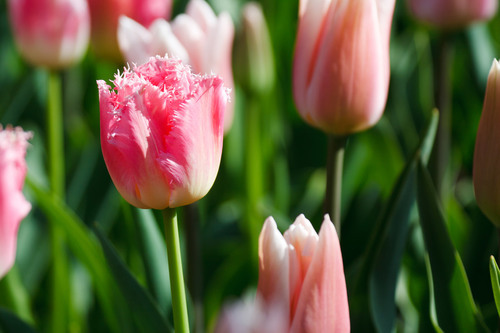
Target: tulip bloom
{"type": "Point", "coordinates": [199, 38]}
{"type": "Point", "coordinates": [449, 14]}
{"type": "Point", "coordinates": [485, 174]}
{"type": "Point", "coordinates": [13, 205]}
{"type": "Point", "coordinates": [303, 273]}
{"type": "Point", "coordinates": [49, 33]}
{"type": "Point", "coordinates": [161, 133]}
{"type": "Point", "coordinates": [105, 15]}
{"type": "Point", "coordinates": [341, 63]}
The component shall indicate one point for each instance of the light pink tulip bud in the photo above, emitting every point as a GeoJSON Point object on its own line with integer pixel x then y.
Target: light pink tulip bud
{"type": "Point", "coordinates": [303, 272]}
{"type": "Point", "coordinates": [13, 205]}
{"type": "Point", "coordinates": [199, 38]}
{"type": "Point", "coordinates": [486, 176]}
{"type": "Point", "coordinates": [48, 33]}
{"type": "Point", "coordinates": [452, 14]}
{"type": "Point", "coordinates": [341, 63]}
{"type": "Point", "coordinates": [106, 13]}
{"type": "Point", "coordinates": [161, 133]}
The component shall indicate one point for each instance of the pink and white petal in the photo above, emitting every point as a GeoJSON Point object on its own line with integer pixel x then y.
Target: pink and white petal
{"type": "Point", "coordinates": [165, 42]}
{"type": "Point", "coordinates": [202, 14]}
{"type": "Point", "coordinates": [134, 41]}
{"type": "Point", "coordinates": [189, 33]}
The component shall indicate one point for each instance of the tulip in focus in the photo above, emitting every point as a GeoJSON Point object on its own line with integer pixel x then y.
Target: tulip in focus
{"type": "Point", "coordinates": [198, 37]}
{"type": "Point", "coordinates": [341, 63]}
{"type": "Point", "coordinates": [105, 15]}
{"type": "Point", "coordinates": [302, 272]}
{"type": "Point", "coordinates": [53, 34]}
{"type": "Point", "coordinates": [452, 14]}
{"type": "Point", "coordinates": [486, 176]}
{"type": "Point", "coordinates": [13, 205]}
{"type": "Point", "coordinates": [161, 133]}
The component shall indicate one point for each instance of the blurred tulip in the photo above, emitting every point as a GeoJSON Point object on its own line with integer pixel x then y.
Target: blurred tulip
{"type": "Point", "coordinates": [106, 13]}
{"type": "Point", "coordinates": [161, 133]}
{"type": "Point", "coordinates": [341, 63]}
{"type": "Point", "coordinates": [303, 272]}
{"type": "Point", "coordinates": [450, 14]}
{"type": "Point", "coordinates": [13, 205]}
{"type": "Point", "coordinates": [53, 34]}
{"type": "Point", "coordinates": [487, 151]}
{"type": "Point", "coordinates": [198, 38]}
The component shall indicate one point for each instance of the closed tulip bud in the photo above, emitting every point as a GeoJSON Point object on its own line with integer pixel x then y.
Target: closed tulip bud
{"type": "Point", "coordinates": [13, 205]}
{"type": "Point", "coordinates": [486, 176]}
{"type": "Point", "coordinates": [161, 133]}
{"type": "Point", "coordinates": [302, 272]}
{"type": "Point", "coordinates": [48, 33]}
{"type": "Point", "coordinates": [452, 14]}
{"type": "Point", "coordinates": [341, 63]}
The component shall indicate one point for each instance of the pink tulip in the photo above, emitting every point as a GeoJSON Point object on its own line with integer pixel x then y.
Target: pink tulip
{"type": "Point", "coordinates": [303, 273]}
{"type": "Point", "coordinates": [105, 15]}
{"type": "Point", "coordinates": [485, 174]}
{"type": "Point", "coordinates": [161, 133]}
{"type": "Point", "coordinates": [199, 38]}
{"type": "Point", "coordinates": [341, 63]}
{"type": "Point", "coordinates": [50, 33]}
{"type": "Point", "coordinates": [13, 205]}
{"type": "Point", "coordinates": [450, 14]}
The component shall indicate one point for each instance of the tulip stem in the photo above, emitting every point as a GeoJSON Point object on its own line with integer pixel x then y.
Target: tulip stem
{"type": "Point", "coordinates": [179, 307]}
{"type": "Point", "coordinates": [334, 166]}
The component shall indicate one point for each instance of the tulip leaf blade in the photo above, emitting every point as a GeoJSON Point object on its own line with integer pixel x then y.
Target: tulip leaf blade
{"type": "Point", "coordinates": [453, 306]}
{"type": "Point", "coordinates": [495, 282]}
{"type": "Point", "coordinates": [10, 323]}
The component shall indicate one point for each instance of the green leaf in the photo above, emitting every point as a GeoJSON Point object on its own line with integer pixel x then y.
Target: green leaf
{"type": "Point", "coordinates": [495, 282]}
{"type": "Point", "coordinates": [454, 309]}
{"type": "Point", "coordinates": [10, 323]}
{"type": "Point", "coordinates": [146, 313]}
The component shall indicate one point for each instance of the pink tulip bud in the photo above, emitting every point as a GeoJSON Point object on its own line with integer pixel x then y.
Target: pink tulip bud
{"type": "Point", "coordinates": [303, 272]}
{"type": "Point", "coordinates": [486, 176]}
{"type": "Point", "coordinates": [49, 33]}
{"type": "Point", "coordinates": [451, 14]}
{"type": "Point", "coordinates": [341, 63]}
{"type": "Point", "coordinates": [161, 133]}
{"type": "Point", "coordinates": [13, 205]}
{"type": "Point", "coordinates": [106, 13]}
{"type": "Point", "coordinates": [199, 38]}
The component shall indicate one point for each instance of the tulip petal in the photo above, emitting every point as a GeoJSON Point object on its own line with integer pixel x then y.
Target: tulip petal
{"type": "Point", "coordinates": [165, 42]}
{"type": "Point", "coordinates": [202, 14]}
{"type": "Point", "coordinates": [134, 41]}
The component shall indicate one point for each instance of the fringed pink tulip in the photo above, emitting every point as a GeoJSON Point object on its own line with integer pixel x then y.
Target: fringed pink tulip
{"type": "Point", "coordinates": [303, 272]}
{"type": "Point", "coordinates": [106, 13]}
{"type": "Point", "coordinates": [13, 205]}
{"type": "Point", "coordinates": [486, 176]}
{"type": "Point", "coordinates": [452, 14]}
{"type": "Point", "coordinates": [48, 33]}
{"type": "Point", "coordinates": [341, 63]}
{"type": "Point", "coordinates": [161, 133]}
{"type": "Point", "coordinates": [199, 38]}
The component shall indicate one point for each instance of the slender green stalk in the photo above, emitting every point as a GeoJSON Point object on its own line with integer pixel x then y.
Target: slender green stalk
{"type": "Point", "coordinates": [334, 166]}
{"type": "Point", "coordinates": [60, 275]}
{"type": "Point", "coordinates": [179, 307]}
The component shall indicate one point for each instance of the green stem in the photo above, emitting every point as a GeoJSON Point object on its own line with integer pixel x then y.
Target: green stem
{"type": "Point", "coordinates": [179, 307]}
{"type": "Point", "coordinates": [334, 166]}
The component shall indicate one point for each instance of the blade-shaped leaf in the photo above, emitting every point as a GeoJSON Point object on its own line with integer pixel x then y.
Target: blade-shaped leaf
{"type": "Point", "coordinates": [10, 323]}
{"type": "Point", "coordinates": [495, 282]}
{"type": "Point", "coordinates": [144, 310]}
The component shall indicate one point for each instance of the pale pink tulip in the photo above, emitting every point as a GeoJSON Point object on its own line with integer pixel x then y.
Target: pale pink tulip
{"type": "Point", "coordinates": [303, 272]}
{"type": "Point", "coordinates": [451, 14]}
{"type": "Point", "coordinates": [486, 175]}
{"type": "Point", "coordinates": [50, 33]}
{"type": "Point", "coordinates": [13, 205]}
{"type": "Point", "coordinates": [198, 37]}
{"type": "Point", "coordinates": [161, 133]}
{"type": "Point", "coordinates": [341, 63]}
{"type": "Point", "coordinates": [106, 13]}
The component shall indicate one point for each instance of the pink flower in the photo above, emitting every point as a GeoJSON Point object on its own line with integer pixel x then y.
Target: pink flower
{"type": "Point", "coordinates": [105, 15]}
{"type": "Point", "coordinates": [49, 33]}
{"type": "Point", "coordinates": [198, 38]}
{"type": "Point", "coordinates": [303, 273]}
{"type": "Point", "coordinates": [449, 14]}
{"type": "Point", "coordinates": [13, 205]}
{"type": "Point", "coordinates": [161, 133]}
{"type": "Point", "coordinates": [341, 63]}
{"type": "Point", "coordinates": [485, 173]}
